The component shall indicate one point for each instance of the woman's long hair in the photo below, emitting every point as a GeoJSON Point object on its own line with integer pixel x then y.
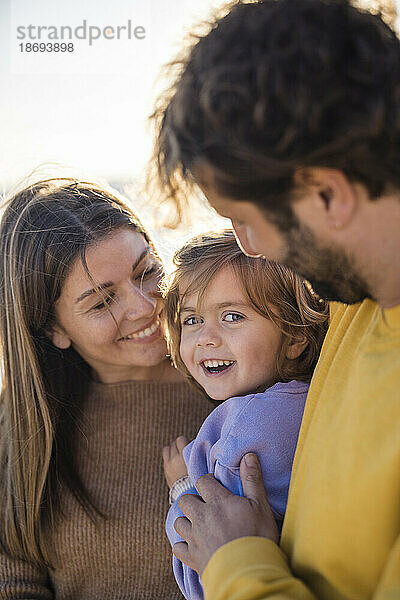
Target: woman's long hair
{"type": "Point", "coordinates": [44, 229]}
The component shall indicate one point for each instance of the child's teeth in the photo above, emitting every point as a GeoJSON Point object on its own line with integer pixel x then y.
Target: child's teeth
{"type": "Point", "coordinates": [217, 363]}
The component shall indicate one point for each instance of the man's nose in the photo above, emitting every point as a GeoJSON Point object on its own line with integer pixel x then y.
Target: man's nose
{"type": "Point", "coordinates": [242, 239]}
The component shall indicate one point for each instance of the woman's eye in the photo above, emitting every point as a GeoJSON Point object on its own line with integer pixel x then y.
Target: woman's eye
{"type": "Point", "coordinates": [192, 321]}
{"type": "Point", "coordinates": [106, 302]}
{"type": "Point", "coordinates": [233, 317]}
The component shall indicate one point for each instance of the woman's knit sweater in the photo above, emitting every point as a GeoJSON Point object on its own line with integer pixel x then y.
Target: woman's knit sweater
{"type": "Point", "coordinates": [124, 555]}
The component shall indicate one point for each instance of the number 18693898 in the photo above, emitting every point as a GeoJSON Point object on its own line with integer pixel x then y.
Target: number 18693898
{"type": "Point", "coordinates": [46, 47]}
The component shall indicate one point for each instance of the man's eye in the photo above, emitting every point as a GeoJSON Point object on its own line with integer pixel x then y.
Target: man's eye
{"type": "Point", "coordinates": [233, 317]}
{"type": "Point", "coordinates": [192, 321]}
{"type": "Point", "coordinates": [147, 272]}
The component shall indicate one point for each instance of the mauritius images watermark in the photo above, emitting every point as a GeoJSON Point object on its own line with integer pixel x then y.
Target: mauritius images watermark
{"type": "Point", "coordinates": [86, 32]}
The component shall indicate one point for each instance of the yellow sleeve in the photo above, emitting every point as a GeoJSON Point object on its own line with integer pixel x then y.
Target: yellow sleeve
{"type": "Point", "coordinates": [389, 585]}
{"type": "Point", "coordinates": [254, 568]}
{"type": "Point", "coordinates": [334, 308]}
{"type": "Point", "coordinates": [251, 568]}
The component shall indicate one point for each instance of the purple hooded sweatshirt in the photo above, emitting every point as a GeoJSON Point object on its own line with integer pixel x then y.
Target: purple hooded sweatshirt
{"type": "Point", "coordinates": [267, 424]}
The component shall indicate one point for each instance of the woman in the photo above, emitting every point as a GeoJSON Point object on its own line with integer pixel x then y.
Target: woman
{"type": "Point", "coordinates": [88, 401]}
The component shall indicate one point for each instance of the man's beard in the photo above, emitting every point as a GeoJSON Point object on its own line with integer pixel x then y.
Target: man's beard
{"type": "Point", "coordinates": [330, 271]}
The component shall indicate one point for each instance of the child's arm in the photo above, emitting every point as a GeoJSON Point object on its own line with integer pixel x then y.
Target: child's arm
{"type": "Point", "coordinates": [267, 424]}
{"type": "Point", "coordinates": [175, 470]}
{"type": "Point", "coordinates": [174, 464]}
{"type": "Point", "coordinates": [199, 455]}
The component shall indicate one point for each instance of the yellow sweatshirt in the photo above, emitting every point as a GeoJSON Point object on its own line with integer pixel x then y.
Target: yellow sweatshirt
{"type": "Point", "coordinates": [341, 536]}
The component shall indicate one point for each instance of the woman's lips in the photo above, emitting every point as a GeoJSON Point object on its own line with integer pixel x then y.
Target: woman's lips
{"type": "Point", "coordinates": [148, 334]}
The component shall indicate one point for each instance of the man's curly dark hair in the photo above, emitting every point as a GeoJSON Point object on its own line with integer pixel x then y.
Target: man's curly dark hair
{"type": "Point", "coordinates": [276, 85]}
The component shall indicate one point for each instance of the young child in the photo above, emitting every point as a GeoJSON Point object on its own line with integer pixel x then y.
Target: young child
{"type": "Point", "coordinates": [251, 331]}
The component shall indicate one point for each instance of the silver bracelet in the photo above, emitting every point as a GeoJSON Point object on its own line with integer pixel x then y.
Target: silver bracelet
{"type": "Point", "coordinates": [179, 486]}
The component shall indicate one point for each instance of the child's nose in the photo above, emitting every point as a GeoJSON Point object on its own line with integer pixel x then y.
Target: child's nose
{"type": "Point", "coordinates": [208, 336]}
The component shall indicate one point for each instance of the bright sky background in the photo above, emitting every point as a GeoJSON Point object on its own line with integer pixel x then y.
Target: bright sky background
{"type": "Point", "coordinates": [88, 109]}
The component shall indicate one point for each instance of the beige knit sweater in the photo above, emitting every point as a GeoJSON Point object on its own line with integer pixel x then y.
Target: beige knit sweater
{"type": "Point", "coordinates": [126, 555]}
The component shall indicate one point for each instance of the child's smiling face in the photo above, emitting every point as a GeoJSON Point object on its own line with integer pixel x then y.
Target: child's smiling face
{"type": "Point", "coordinates": [228, 347]}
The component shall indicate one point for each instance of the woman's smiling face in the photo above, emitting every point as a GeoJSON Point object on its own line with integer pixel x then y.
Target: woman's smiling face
{"type": "Point", "coordinates": [227, 346]}
{"type": "Point", "coordinates": [118, 336]}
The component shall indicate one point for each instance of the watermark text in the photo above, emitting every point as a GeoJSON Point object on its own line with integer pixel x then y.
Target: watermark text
{"type": "Point", "coordinates": [91, 33]}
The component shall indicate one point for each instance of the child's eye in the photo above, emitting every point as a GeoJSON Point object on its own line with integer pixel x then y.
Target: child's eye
{"type": "Point", "coordinates": [233, 317]}
{"type": "Point", "coordinates": [192, 321]}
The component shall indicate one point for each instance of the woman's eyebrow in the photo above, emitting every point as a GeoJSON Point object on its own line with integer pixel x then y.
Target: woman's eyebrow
{"type": "Point", "coordinates": [108, 284]}
{"type": "Point", "coordinates": [101, 286]}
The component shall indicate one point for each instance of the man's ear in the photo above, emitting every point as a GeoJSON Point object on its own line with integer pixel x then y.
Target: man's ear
{"type": "Point", "coordinates": [296, 347]}
{"type": "Point", "coordinates": [335, 194]}
{"type": "Point", "coordinates": [59, 338]}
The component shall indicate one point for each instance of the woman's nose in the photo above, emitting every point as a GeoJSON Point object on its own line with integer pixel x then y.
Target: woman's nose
{"type": "Point", "coordinates": [140, 303]}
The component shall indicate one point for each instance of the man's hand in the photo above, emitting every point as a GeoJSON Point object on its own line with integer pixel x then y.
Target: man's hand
{"type": "Point", "coordinates": [219, 517]}
{"type": "Point", "coordinates": [174, 465]}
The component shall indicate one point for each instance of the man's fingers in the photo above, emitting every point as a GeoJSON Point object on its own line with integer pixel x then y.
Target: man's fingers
{"type": "Point", "coordinates": [183, 526]}
{"type": "Point", "coordinates": [181, 551]}
{"type": "Point", "coordinates": [165, 453]}
{"type": "Point", "coordinates": [252, 481]}
{"type": "Point", "coordinates": [254, 490]}
{"type": "Point", "coordinates": [211, 489]}
{"type": "Point", "coordinates": [190, 505]}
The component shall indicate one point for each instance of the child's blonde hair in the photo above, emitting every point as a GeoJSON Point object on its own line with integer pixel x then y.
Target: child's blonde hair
{"type": "Point", "coordinates": [273, 290]}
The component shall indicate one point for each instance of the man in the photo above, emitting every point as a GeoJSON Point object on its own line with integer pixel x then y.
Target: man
{"type": "Point", "coordinates": [287, 116]}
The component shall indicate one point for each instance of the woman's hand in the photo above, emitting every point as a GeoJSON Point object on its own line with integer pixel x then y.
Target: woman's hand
{"type": "Point", "coordinates": [174, 464]}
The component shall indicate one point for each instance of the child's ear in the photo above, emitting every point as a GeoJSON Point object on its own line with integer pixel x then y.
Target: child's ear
{"type": "Point", "coordinates": [296, 347]}
{"type": "Point", "coordinates": [59, 338]}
